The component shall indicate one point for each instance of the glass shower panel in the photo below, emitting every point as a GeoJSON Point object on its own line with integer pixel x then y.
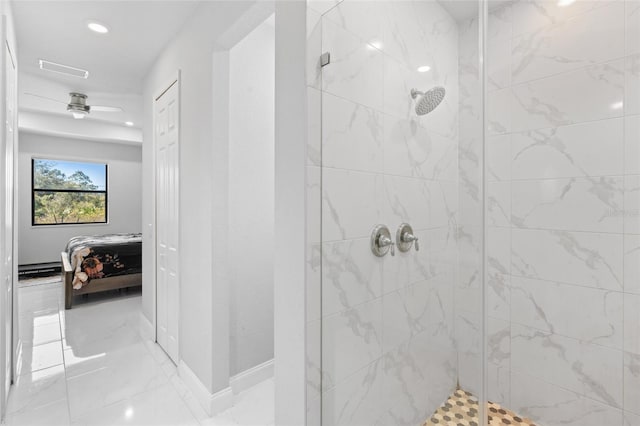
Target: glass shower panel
{"type": "Point", "coordinates": [400, 98]}
{"type": "Point", "coordinates": [563, 197]}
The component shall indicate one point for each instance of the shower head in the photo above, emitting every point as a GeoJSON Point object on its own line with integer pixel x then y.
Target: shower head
{"type": "Point", "coordinates": [428, 100]}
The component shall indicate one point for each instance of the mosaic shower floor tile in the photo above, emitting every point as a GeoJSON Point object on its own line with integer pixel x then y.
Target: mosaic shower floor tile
{"type": "Point", "coordinates": [461, 409]}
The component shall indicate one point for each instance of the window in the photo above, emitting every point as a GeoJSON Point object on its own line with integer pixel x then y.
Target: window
{"type": "Point", "coordinates": [68, 192]}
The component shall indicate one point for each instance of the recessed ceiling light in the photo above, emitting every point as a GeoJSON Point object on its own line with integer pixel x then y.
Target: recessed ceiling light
{"type": "Point", "coordinates": [617, 105]}
{"type": "Point", "coordinates": [424, 68]}
{"type": "Point", "coordinates": [97, 27]}
{"type": "Point", "coordinates": [565, 3]}
{"type": "Point", "coordinates": [129, 123]}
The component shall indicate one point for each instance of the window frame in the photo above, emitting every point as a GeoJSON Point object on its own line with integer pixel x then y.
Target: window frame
{"type": "Point", "coordinates": [82, 191]}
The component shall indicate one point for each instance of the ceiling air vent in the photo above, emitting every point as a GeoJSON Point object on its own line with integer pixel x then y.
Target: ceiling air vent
{"type": "Point", "coordinates": [63, 69]}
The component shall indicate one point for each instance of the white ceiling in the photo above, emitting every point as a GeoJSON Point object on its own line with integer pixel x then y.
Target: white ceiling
{"type": "Point", "coordinates": [117, 62]}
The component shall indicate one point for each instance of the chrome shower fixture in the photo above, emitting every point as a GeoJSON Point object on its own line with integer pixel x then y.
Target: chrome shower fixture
{"type": "Point", "coordinates": [429, 100]}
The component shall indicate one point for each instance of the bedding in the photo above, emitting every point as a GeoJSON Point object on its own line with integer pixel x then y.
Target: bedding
{"type": "Point", "coordinates": [102, 256]}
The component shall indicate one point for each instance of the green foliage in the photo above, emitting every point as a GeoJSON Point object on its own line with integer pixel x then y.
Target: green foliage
{"type": "Point", "coordinates": [51, 207]}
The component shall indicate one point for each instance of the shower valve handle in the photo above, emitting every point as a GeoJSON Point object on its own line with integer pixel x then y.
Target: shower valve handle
{"type": "Point", "coordinates": [408, 237]}
{"type": "Point", "coordinates": [405, 238]}
{"type": "Point", "coordinates": [385, 241]}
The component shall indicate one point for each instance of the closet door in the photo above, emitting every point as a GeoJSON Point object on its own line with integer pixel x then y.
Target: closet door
{"type": "Point", "coordinates": [167, 139]}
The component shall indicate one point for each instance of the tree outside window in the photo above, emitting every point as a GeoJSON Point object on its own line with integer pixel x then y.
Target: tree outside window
{"type": "Point", "coordinates": [68, 192]}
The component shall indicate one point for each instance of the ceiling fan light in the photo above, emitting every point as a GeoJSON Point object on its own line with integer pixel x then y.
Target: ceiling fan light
{"type": "Point", "coordinates": [79, 115]}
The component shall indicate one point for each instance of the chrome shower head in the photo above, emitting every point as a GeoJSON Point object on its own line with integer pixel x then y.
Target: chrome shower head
{"type": "Point", "coordinates": [429, 100]}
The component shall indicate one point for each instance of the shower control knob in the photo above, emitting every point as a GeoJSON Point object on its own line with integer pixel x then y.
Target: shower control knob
{"type": "Point", "coordinates": [381, 242]}
{"type": "Point", "coordinates": [405, 238]}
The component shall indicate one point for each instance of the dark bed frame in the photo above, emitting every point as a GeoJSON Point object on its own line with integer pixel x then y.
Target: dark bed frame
{"type": "Point", "coordinates": [105, 284]}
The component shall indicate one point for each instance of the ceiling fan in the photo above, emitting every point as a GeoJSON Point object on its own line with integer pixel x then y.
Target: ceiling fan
{"type": "Point", "coordinates": [77, 105]}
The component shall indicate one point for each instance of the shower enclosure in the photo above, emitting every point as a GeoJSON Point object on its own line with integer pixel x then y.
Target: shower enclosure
{"type": "Point", "coordinates": [506, 134]}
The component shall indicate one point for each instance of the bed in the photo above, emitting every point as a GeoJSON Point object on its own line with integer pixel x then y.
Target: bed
{"type": "Point", "coordinates": [92, 264]}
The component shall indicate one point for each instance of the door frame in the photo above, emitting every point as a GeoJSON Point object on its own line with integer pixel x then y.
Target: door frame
{"type": "Point", "coordinates": [169, 82]}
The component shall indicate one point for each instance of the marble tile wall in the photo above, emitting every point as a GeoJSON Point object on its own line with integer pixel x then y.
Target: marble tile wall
{"type": "Point", "coordinates": [380, 338]}
{"type": "Point", "coordinates": [563, 209]}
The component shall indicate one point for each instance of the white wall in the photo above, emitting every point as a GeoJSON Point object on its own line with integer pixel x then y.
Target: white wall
{"type": "Point", "coordinates": [204, 300]}
{"type": "Point", "coordinates": [43, 243]}
{"type": "Point", "coordinates": [251, 192]}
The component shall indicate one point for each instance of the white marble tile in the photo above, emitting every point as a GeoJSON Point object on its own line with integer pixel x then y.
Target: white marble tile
{"type": "Point", "coordinates": [592, 204]}
{"type": "Point", "coordinates": [499, 158]}
{"type": "Point", "coordinates": [35, 390]}
{"type": "Point", "coordinates": [34, 358]}
{"type": "Point", "coordinates": [499, 203]}
{"type": "Point", "coordinates": [357, 400]}
{"type": "Point", "coordinates": [412, 150]}
{"type": "Point", "coordinates": [632, 85]}
{"type": "Point", "coordinates": [554, 406]}
{"type": "Point", "coordinates": [586, 149]}
{"type": "Point", "coordinates": [469, 341]}
{"type": "Point", "coordinates": [351, 203]}
{"type": "Point", "coordinates": [632, 25]}
{"type": "Point", "coordinates": [120, 375]}
{"type": "Point", "coordinates": [632, 323]}
{"type": "Point", "coordinates": [499, 343]}
{"type": "Point", "coordinates": [593, 315]}
{"type": "Point", "coordinates": [631, 382]}
{"type": "Point", "coordinates": [349, 16]}
{"type": "Point", "coordinates": [408, 200]}
{"type": "Point", "coordinates": [632, 145]}
{"type": "Point", "coordinates": [499, 112]}
{"type": "Point", "coordinates": [498, 281]}
{"type": "Point", "coordinates": [587, 259]}
{"type": "Point", "coordinates": [350, 340]}
{"type": "Point", "coordinates": [500, 23]}
{"type": "Point", "coordinates": [590, 93]}
{"type": "Point", "coordinates": [631, 213]}
{"type": "Point", "coordinates": [40, 334]}
{"type": "Point", "coordinates": [254, 406]}
{"type": "Point", "coordinates": [631, 419]}
{"type": "Point", "coordinates": [407, 370]}
{"type": "Point", "coordinates": [423, 307]}
{"type": "Point", "coordinates": [399, 79]}
{"type": "Point", "coordinates": [587, 369]}
{"type": "Point", "coordinates": [499, 385]}
{"type": "Point", "coordinates": [590, 38]}
{"type": "Point", "coordinates": [115, 324]}
{"type": "Point", "coordinates": [314, 48]}
{"type": "Point", "coordinates": [351, 275]}
{"type": "Point", "coordinates": [498, 63]}
{"type": "Point", "coordinates": [529, 15]}
{"type": "Point", "coordinates": [632, 264]}
{"type": "Point", "coordinates": [356, 70]}
{"type": "Point", "coordinates": [322, 6]}
{"type": "Point", "coordinates": [314, 127]}
{"type": "Point", "coordinates": [53, 414]}
{"type": "Point", "coordinates": [352, 135]}
{"type": "Point", "coordinates": [313, 360]}
{"type": "Point", "coordinates": [421, 33]}
{"type": "Point", "coordinates": [313, 279]}
{"type": "Point", "coordinates": [161, 406]}
{"type": "Point", "coordinates": [314, 205]}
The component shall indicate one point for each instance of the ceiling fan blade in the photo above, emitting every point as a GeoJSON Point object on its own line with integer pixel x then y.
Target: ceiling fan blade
{"type": "Point", "coordinates": [104, 108]}
{"type": "Point", "coordinates": [44, 97]}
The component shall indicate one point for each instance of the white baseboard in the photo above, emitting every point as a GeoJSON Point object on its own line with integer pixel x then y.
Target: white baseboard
{"type": "Point", "coordinates": [251, 377]}
{"type": "Point", "coordinates": [212, 403]}
{"type": "Point", "coordinates": [147, 331]}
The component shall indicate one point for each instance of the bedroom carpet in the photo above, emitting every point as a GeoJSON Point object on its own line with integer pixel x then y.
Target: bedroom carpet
{"type": "Point", "coordinates": [90, 366]}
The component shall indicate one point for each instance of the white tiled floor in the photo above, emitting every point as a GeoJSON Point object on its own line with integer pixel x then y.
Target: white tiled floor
{"type": "Point", "coordinates": [89, 366]}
